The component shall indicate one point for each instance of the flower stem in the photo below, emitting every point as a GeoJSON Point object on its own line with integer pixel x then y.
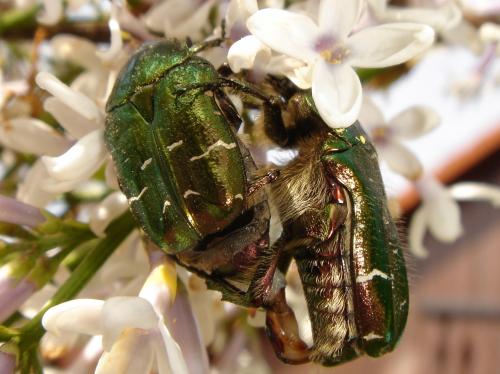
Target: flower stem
{"type": "Point", "coordinates": [117, 231]}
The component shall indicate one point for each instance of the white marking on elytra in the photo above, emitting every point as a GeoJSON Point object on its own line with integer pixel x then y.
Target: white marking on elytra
{"type": "Point", "coordinates": [369, 277]}
{"type": "Point", "coordinates": [172, 146]}
{"type": "Point", "coordinates": [372, 336]}
{"type": "Point", "coordinates": [146, 163]}
{"type": "Point", "coordinates": [166, 204]}
{"type": "Point", "coordinates": [239, 196]}
{"type": "Point", "coordinates": [190, 192]}
{"type": "Point", "coordinates": [219, 143]}
{"type": "Point", "coordinates": [136, 198]}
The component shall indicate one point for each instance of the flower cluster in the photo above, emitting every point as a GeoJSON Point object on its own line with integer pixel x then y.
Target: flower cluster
{"type": "Point", "coordinates": [72, 259]}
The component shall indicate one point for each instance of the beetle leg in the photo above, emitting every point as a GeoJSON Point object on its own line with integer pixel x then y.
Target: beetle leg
{"type": "Point", "coordinates": [263, 180]}
{"type": "Point", "coordinates": [283, 331]}
{"type": "Point", "coordinates": [196, 48]}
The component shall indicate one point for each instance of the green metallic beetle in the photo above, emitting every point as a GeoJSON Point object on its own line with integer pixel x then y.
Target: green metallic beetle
{"type": "Point", "coordinates": [192, 186]}
{"type": "Point", "coordinates": [337, 227]}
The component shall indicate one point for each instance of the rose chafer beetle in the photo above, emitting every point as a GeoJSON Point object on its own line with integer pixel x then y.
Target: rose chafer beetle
{"type": "Point", "coordinates": [192, 187]}
{"type": "Point", "coordinates": [337, 227]}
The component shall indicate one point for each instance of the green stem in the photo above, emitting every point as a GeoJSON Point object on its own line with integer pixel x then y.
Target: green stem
{"type": "Point", "coordinates": [7, 333]}
{"type": "Point", "coordinates": [115, 234]}
{"type": "Point", "coordinates": [15, 19]}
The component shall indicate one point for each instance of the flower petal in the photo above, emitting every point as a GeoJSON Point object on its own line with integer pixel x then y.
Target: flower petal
{"type": "Point", "coordinates": [53, 11]}
{"type": "Point", "coordinates": [30, 192]}
{"type": "Point", "coordinates": [120, 313]}
{"type": "Point", "coordinates": [416, 233]}
{"type": "Point", "coordinates": [400, 159]}
{"type": "Point", "coordinates": [285, 32]}
{"type": "Point", "coordinates": [79, 315]}
{"type": "Point", "coordinates": [116, 43]}
{"type": "Point", "coordinates": [337, 93]}
{"type": "Point", "coordinates": [389, 44]}
{"type": "Point", "coordinates": [473, 191]}
{"type": "Point", "coordinates": [78, 50]}
{"type": "Point", "coordinates": [440, 18]}
{"type": "Point", "coordinates": [76, 125]}
{"type": "Point", "coordinates": [489, 32]}
{"type": "Point", "coordinates": [75, 100]}
{"type": "Point", "coordinates": [31, 135]}
{"type": "Point", "coordinates": [244, 53]}
{"type": "Point", "coordinates": [370, 116]}
{"type": "Point", "coordinates": [80, 161]}
{"type": "Point", "coordinates": [414, 122]}
{"type": "Point", "coordinates": [338, 17]}
{"type": "Point", "coordinates": [302, 76]}
{"type": "Point", "coordinates": [131, 354]}
{"type": "Point", "coordinates": [173, 352]}
{"type": "Point", "coordinates": [443, 213]}
{"type": "Point", "coordinates": [185, 328]}
{"type": "Point", "coordinates": [107, 210]}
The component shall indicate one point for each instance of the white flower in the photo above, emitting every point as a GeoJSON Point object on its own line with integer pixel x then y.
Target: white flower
{"type": "Point", "coordinates": [134, 336]}
{"type": "Point", "coordinates": [79, 109]}
{"type": "Point", "coordinates": [387, 135]}
{"type": "Point", "coordinates": [440, 213]}
{"type": "Point", "coordinates": [329, 49]}
{"type": "Point", "coordinates": [442, 17]}
{"type": "Point", "coordinates": [179, 18]}
{"type": "Point", "coordinates": [247, 51]}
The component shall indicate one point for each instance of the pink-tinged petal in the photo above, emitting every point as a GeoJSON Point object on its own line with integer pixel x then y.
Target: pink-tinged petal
{"type": "Point", "coordinates": [443, 213]}
{"type": "Point", "coordinates": [186, 332]}
{"type": "Point", "coordinates": [440, 18]}
{"type": "Point", "coordinates": [16, 212]}
{"type": "Point", "coordinates": [400, 159]}
{"type": "Point", "coordinates": [338, 17]}
{"type": "Point", "coordinates": [110, 208]}
{"type": "Point", "coordinates": [31, 135]}
{"type": "Point", "coordinates": [416, 233]}
{"type": "Point", "coordinates": [337, 93]}
{"type": "Point", "coordinates": [79, 315]}
{"type": "Point", "coordinates": [389, 44]}
{"type": "Point", "coordinates": [75, 100]}
{"type": "Point", "coordinates": [29, 190]}
{"type": "Point", "coordinates": [131, 354]}
{"type": "Point", "coordinates": [474, 191]}
{"type": "Point", "coordinates": [414, 122]}
{"type": "Point", "coordinates": [292, 34]}
{"type": "Point", "coordinates": [13, 292]}
{"type": "Point", "coordinates": [78, 50]}
{"type": "Point", "coordinates": [122, 312]}
{"type": "Point", "coordinates": [76, 125]}
{"type": "Point", "coordinates": [169, 354]}
{"type": "Point", "coordinates": [370, 116]}
{"type": "Point", "coordinates": [7, 363]}
{"type": "Point", "coordinates": [80, 161]}
{"type": "Point", "coordinates": [52, 13]}
{"type": "Point", "coordinates": [245, 52]}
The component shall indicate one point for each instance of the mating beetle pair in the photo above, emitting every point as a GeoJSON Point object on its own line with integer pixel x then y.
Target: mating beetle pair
{"type": "Point", "coordinates": [192, 186]}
